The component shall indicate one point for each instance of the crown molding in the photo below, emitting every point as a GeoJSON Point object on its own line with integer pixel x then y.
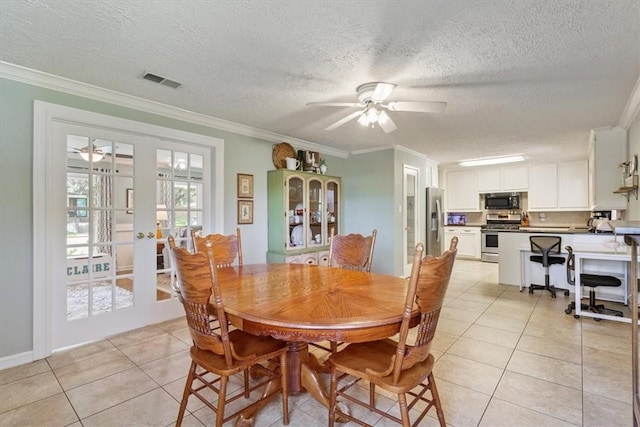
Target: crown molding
{"type": "Point", "coordinates": [413, 152]}
{"type": "Point", "coordinates": [72, 87]}
{"type": "Point", "coordinates": [393, 147]}
{"type": "Point", "coordinates": [372, 149]}
{"type": "Point", "coordinates": [632, 109]}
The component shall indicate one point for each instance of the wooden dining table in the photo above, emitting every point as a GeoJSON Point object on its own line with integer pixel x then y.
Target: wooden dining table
{"type": "Point", "coordinates": [301, 303]}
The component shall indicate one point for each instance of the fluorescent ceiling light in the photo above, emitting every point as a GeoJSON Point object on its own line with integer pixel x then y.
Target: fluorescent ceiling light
{"type": "Point", "coordinates": [492, 161]}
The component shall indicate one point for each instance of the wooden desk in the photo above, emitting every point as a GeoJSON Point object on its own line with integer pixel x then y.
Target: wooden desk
{"type": "Point", "coordinates": [302, 303]}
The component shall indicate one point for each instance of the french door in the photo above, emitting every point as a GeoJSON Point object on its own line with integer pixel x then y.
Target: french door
{"type": "Point", "coordinates": [113, 197]}
{"type": "Point", "coordinates": [410, 216]}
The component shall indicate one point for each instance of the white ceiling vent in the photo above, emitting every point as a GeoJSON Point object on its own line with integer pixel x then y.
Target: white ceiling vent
{"type": "Point", "coordinates": [162, 80]}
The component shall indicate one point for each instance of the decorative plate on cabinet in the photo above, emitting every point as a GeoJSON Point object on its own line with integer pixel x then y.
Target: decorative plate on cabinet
{"type": "Point", "coordinates": [280, 152]}
{"type": "Point", "coordinates": [296, 235]}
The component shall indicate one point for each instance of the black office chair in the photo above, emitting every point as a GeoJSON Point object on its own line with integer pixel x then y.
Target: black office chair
{"type": "Point", "coordinates": [591, 281]}
{"type": "Point", "coordinates": [546, 245]}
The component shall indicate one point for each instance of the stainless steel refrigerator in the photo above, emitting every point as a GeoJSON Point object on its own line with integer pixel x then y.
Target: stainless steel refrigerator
{"type": "Point", "coordinates": [435, 221]}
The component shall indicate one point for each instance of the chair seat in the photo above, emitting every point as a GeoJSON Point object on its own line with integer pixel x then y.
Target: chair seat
{"type": "Point", "coordinates": [594, 280]}
{"type": "Point", "coordinates": [357, 359]}
{"type": "Point", "coordinates": [246, 345]}
{"type": "Point", "coordinates": [551, 259]}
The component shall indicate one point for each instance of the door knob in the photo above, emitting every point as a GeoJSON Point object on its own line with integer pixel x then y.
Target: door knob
{"type": "Point", "coordinates": [151, 235]}
{"type": "Point", "coordinates": [140, 236]}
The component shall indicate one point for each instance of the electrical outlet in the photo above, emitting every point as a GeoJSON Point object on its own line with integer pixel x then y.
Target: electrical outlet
{"type": "Point", "coordinates": [542, 216]}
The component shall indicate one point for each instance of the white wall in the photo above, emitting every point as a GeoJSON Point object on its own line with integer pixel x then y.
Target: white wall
{"type": "Point", "coordinates": [633, 135]}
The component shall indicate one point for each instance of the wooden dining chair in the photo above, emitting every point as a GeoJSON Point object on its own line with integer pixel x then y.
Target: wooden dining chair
{"type": "Point", "coordinates": [226, 248]}
{"type": "Point", "coordinates": [397, 366]}
{"type": "Point", "coordinates": [351, 252]}
{"type": "Point", "coordinates": [226, 353]}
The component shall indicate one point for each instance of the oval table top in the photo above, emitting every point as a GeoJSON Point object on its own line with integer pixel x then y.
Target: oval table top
{"type": "Point", "coordinates": [300, 302]}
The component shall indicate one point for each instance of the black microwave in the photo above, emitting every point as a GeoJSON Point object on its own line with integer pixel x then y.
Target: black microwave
{"type": "Point", "coordinates": [502, 201]}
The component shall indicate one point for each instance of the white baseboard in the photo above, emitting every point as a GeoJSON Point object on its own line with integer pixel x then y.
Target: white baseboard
{"type": "Point", "coordinates": [16, 359]}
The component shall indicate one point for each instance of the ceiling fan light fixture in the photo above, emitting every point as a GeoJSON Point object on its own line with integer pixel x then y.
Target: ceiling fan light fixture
{"type": "Point", "coordinates": [181, 164]}
{"type": "Point", "coordinates": [372, 115]}
{"type": "Point", "coordinates": [91, 153]}
{"type": "Point", "coordinates": [373, 107]}
{"type": "Point", "coordinates": [492, 160]}
{"type": "Point", "coordinates": [363, 120]}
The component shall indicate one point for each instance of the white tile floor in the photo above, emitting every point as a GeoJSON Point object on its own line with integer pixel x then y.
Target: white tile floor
{"type": "Point", "coordinates": [505, 358]}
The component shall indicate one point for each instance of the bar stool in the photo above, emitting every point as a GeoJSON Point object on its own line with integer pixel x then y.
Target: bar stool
{"type": "Point", "coordinates": [546, 245]}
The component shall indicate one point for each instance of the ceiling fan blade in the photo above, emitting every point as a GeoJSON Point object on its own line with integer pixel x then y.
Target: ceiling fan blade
{"type": "Point", "coordinates": [335, 104]}
{"type": "Point", "coordinates": [386, 123]}
{"type": "Point", "coordinates": [382, 91]}
{"type": "Point", "coordinates": [417, 106]}
{"type": "Point", "coordinates": [344, 120]}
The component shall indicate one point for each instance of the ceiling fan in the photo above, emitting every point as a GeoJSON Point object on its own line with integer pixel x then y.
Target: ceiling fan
{"type": "Point", "coordinates": [373, 109]}
{"type": "Point", "coordinates": [89, 152]}
{"type": "Point", "coordinates": [95, 153]}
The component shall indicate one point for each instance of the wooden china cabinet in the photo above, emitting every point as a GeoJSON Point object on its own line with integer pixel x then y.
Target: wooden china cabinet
{"type": "Point", "coordinates": [303, 209]}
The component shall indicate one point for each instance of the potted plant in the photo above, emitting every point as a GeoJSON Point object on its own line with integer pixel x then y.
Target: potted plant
{"type": "Point", "coordinates": [323, 166]}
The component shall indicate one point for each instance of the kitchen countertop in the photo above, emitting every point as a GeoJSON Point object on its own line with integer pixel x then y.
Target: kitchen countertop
{"type": "Point", "coordinates": [559, 230]}
{"type": "Point", "coordinates": [537, 229]}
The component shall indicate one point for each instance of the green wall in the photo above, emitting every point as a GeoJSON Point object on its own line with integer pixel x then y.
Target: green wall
{"type": "Point", "coordinates": [372, 190]}
{"type": "Point", "coordinates": [241, 154]}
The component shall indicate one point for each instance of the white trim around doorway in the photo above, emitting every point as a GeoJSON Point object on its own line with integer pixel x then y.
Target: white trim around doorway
{"type": "Point", "coordinates": [45, 114]}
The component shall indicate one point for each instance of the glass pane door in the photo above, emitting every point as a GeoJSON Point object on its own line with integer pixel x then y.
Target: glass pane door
{"type": "Point", "coordinates": [333, 209]}
{"type": "Point", "coordinates": [124, 196]}
{"type": "Point", "coordinates": [314, 231]}
{"type": "Point", "coordinates": [99, 243]}
{"type": "Point", "coordinates": [296, 209]}
{"type": "Point", "coordinates": [180, 204]}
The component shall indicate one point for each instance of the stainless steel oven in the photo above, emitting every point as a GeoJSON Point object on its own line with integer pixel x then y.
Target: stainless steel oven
{"type": "Point", "coordinates": [489, 245]}
{"type": "Point", "coordinates": [490, 238]}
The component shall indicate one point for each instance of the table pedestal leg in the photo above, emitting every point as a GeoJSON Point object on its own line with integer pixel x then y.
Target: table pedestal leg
{"type": "Point", "coordinates": [303, 375]}
{"type": "Point", "coordinates": [307, 370]}
{"type": "Point", "coordinates": [297, 355]}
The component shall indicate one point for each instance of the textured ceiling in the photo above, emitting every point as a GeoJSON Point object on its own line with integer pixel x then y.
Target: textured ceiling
{"type": "Point", "coordinates": [519, 76]}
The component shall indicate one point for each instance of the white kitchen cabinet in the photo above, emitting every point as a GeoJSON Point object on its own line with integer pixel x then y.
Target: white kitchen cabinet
{"type": "Point", "coordinates": [607, 149]}
{"type": "Point", "coordinates": [469, 240]}
{"type": "Point", "coordinates": [503, 179]}
{"type": "Point", "coordinates": [515, 177]}
{"type": "Point", "coordinates": [489, 180]}
{"type": "Point", "coordinates": [543, 182]}
{"type": "Point", "coordinates": [461, 193]}
{"type": "Point", "coordinates": [573, 187]}
{"type": "Point", "coordinates": [561, 186]}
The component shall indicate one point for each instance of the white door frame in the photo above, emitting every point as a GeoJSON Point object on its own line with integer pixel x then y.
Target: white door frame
{"type": "Point", "coordinates": [45, 114]}
{"type": "Point", "coordinates": [410, 170]}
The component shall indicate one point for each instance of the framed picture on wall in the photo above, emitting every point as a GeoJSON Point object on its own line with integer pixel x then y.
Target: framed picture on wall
{"type": "Point", "coordinates": [245, 211]}
{"type": "Point", "coordinates": [245, 186]}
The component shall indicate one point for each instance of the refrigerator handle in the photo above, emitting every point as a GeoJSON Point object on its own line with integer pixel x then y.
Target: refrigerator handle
{"type": "Point", "coordinates": [438, 220]}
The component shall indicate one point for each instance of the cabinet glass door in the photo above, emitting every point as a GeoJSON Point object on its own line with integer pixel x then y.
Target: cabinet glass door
{"type": "Point", "coordinates": [314, 218]}
{"type": "Point", "coordinates": [295, 212]}
{"type": "Point", "coordinates": [332, 209]}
